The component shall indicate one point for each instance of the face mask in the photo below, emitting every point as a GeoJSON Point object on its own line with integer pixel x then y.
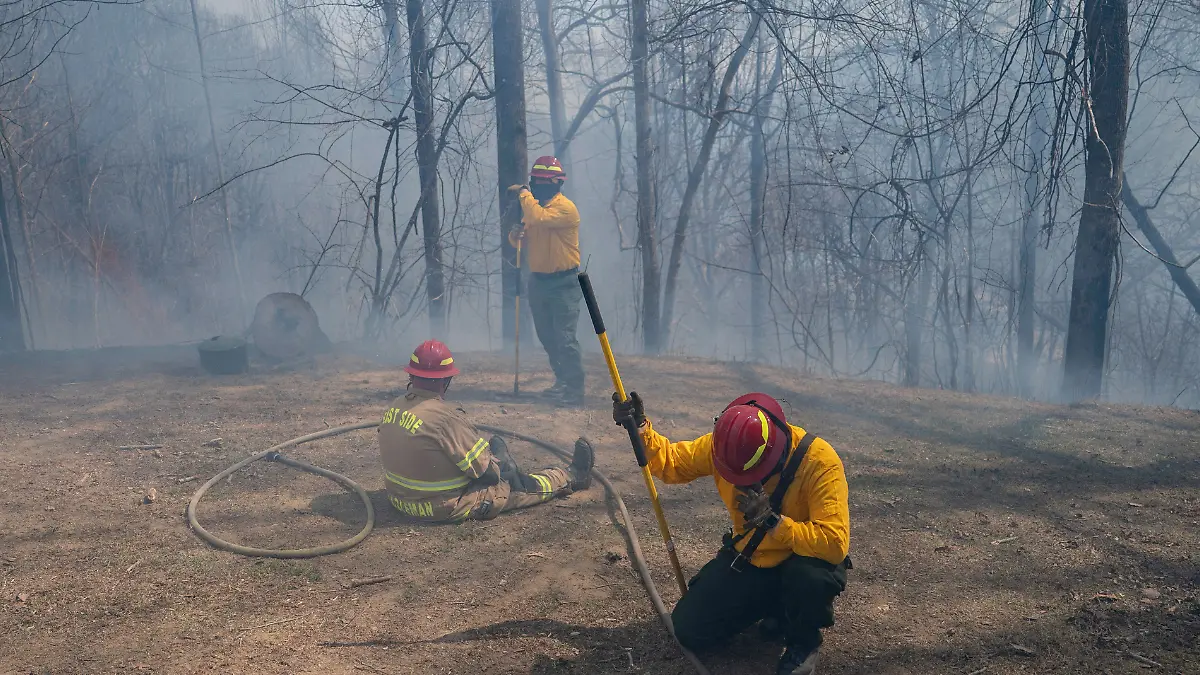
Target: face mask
{"type": "Point", "coordinates": [543, 191]}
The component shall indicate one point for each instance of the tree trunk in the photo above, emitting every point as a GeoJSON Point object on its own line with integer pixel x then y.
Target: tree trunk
{"type": "Point", "coordinates": [1038, 135]}
{"type": "Point", "coordinates": [14, 172]}
{"type": "Point", "coordinates": [1027, 270]}
{"type": "Point", "coordinates": [558, 109]}
{"type": "Point", "coordinates": [652, 340]}
{"type": "Point", "coordinates": [1141, 216]}
{"type": "Point", "coordinates": [212, 130]}
{"type": "Point", "coordinates": [511, 152]}
{"type": "Point", "coordinates": [758, 188]}
{"type": "Point", "coordinates": [969, 318]}
{"type": "Point", "coordinates": [12, 333]}
{"type": "Point", "coordinates": [420, 58]}
{"type": "Point", "coordinates": [1106, 39]}
{"type": "Point", "coordinates": [697, 172]}
{"type": "Point", "coordinates": [944, 303]}
{"type": "Point", "coordinates": [394, 37]}
{"type": "Point", "coordinates": [914, 320]}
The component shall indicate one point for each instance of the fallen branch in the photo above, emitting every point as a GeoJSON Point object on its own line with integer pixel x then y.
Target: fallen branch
{"type": "Point", "coordinates": [977, 672]}
{"type": "Point", "coordinates": [139, 447]}
{"type": "Point", "coordinates": [1143, 660]}
{"type": "Point", "coordinates": [1004, 540]}
{"type": "Point", "coordinates": [130, 568]}
{"type": "Point", "coordinates": [367, 582]}
{"type": "Point", "coordinates": [365, 643]}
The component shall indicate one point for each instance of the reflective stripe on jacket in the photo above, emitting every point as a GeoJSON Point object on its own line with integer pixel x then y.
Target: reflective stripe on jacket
{"type": "Point", "coordinates": [430, 454]}
{"type": "Point", "coordinates": [551, 233]}
{"type": "Point", "coordinates": [816, 514]}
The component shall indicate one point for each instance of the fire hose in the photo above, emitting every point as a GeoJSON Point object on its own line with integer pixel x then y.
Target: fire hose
{"type": "Point", "coordinates": [272, 454]}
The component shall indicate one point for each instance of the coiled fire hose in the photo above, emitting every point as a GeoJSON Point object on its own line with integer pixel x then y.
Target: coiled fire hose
{"type": "Point", "coordinates": [272, 454]}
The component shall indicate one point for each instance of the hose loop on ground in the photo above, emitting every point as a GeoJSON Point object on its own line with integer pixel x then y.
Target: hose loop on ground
{"type": "Point", "coordinates": [272, 454]}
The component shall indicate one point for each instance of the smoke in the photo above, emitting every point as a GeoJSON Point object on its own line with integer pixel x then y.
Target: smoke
{"type": "Point", "coordinates": [891, 220]}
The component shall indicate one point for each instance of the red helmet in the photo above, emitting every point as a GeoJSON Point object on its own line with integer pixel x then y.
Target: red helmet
{"type": "Point", "coordinates": [749, 438]}
{"type": "Point", "coordinates": [432, 360]}
{"type": "Point", "coordinates": [548, 167]}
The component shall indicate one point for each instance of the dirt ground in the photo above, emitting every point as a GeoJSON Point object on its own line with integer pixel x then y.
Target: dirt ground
{"type": "Point", "coordinates": [989, 535]}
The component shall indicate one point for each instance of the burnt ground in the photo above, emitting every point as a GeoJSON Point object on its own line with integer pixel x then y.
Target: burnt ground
{"type": "Point", "coordinates": [989, 535]}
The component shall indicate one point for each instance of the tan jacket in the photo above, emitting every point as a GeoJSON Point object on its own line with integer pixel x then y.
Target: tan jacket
{"type": "Point", "coordinates": [430, 455]}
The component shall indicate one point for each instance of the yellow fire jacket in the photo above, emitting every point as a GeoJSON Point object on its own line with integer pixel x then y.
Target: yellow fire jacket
{"type": "Point", "coordinates": [815, 518]}
{"type": "Point", "coordinates": [551, 233]}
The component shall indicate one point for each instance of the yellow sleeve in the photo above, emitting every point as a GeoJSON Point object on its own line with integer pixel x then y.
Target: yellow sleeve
{"type": "Point", "coordinates": [559, 213]}
{"type": "Point", "coordinates": [680, 462]}
{"type": "Point", "coordinates": [463, 445]}
{"type": "Point", "coordinates": [826, 534]}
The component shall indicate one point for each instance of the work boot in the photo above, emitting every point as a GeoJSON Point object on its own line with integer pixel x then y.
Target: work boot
{"type": "Point", "coordinates": [568, 398]}
{"type": "Point", "coordinates": [499, 450]}
{"type": "Point", "coordinates": [798, 661]}
{"type": "Point", "coordinates": [581, 465]}
{"type": "Point", "coordinates": [554, 391]}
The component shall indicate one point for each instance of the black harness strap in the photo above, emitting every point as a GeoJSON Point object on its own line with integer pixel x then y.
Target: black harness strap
{"type": "Point", "coordinates": [740, 560]}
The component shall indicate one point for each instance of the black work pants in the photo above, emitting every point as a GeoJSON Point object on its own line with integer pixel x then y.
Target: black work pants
{"type": "Point", "coordinates": [722, 602]}
{"type": "Point", "coordinates": [554, 303]}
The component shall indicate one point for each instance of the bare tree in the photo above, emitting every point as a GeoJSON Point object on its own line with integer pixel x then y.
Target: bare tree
{"type": "Point", "coordinates": [554, 87]}
{"type": "Point", "coordinates": [1178, 272]}
{"type": "Point", "coordinates": [12, 333]}
{"type": "Point", "coordinates": [1106, 46]}
{"type": "Point", "coordinates": [511, 153]}
{"type": "Point", "coordinates": [421, 64]}
{"type": "Point", "coordinates": [763, 97]}
{"type": "Point", "coordinates": [696, 174]}
{"type": "Point", "coordinates": [216, 149]}
{"type": "Point", "coordinates": [652, 336]}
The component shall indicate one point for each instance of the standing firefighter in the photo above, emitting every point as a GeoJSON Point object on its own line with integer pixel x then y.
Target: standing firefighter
{"type": "Point", "coordinates": [551, 239]}
{"type": "Point", "coordinates": [785, 559]}
{"type": "Point", "coordinates": [437, 466]}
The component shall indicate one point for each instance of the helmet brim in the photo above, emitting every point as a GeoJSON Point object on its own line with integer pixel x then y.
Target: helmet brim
{"type": "Point", "coordinates": [763, 469]}
{"type": "Point", "coordinates": [552, 175]}
{"type": "Point", "coordinates": [780, 446]}
{"type": "Point", "coordinates": [431, 374]}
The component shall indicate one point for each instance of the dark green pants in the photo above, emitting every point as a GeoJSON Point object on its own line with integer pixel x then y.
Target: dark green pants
{"type": "Point", "coordinates": [722, 602]}
{"type": "Point", "coordinates": [554, 303]}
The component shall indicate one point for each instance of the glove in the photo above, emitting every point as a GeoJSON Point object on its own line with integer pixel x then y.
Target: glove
{"type": "Point", "coordinates": [629, 410]}
{"type": "Point", "coordinates": [755, 506]}
{"type": "Point", "coordinates": [514, 189]}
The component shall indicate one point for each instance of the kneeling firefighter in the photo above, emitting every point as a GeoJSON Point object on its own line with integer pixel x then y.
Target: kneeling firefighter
{"type": "Point", "coordinates": [437, 466]}
{"type": "Point", "coordinates": [785, 559]}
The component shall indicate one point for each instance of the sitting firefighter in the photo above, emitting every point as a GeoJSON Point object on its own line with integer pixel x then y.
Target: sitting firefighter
{"type": "Point", "coordinates": [437, 466]}
{"type": "Point", "coordinates": [785, 558]}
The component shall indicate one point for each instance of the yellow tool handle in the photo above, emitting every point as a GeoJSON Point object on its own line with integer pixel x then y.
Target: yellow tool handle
{"type": "Point", "coordinates": [517, 327]}
{"type": "Point", "coordinates": [665, 530]}
{"type": "Point", "coordinates": [612, 366]}
{"type": "Point", "coordinates": [635, 437]}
